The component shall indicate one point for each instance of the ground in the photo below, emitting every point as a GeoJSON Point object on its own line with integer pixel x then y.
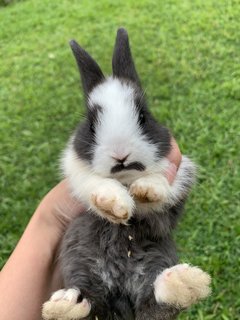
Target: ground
{"type": "Point", "coordinates": [187, 54]}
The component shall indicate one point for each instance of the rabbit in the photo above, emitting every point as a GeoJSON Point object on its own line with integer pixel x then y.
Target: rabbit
{"type": "Point", "coordinates": [118, 259]}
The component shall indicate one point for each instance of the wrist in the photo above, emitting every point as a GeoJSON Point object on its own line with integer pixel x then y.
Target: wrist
{"type": "Point", "coordinates": [46, 231]}
{"type": "Point", "coordinates": [58, 208]}
{"type": "Point", "coordinates": [30, 273]}
{"type": "Point", "coordinates": [175, 156]}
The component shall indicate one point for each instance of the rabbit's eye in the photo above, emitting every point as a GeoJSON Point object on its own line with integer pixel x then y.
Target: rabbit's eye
{"type": "Point", "coordinates": [141, 118]}
{"type": "Point", "coordinates": [92, 128]}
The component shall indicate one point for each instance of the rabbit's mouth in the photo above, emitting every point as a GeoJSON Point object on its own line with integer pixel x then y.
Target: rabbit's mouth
{"type": "Point", "coordinates": [131, 166]}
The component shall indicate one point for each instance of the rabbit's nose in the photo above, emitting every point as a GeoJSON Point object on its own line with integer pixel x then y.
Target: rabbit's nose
{"type": "Point", "coordinates": [121, 159]}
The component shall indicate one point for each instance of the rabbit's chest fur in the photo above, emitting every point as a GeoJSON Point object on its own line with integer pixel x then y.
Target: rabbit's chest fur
{"type": "Point", "coordinates": [128, 177]}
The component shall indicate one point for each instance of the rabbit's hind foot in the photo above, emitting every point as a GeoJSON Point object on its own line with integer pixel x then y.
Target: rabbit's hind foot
{"type": "Point", "coordinates": [64, 305]}
{"type": "Point", "coordinates": [182, 285]}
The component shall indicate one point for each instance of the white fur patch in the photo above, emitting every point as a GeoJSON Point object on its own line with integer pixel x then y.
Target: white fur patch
{"type": "Point", "coordinates": [63, 305]}
{"type": "Point", "coordinates": [85, 183]}
{"type": "Point", "coordinates": [184, 179]}
{"type": "Point", "coordinates": [118, 131]}
{"type": "Point", "coordinates": [58, 295]}
{"type": "Point", "coordinates": [112, 200]}
{"type": "Point", "coordinates": [182, 285]}
{"type": "Point", "coordinates": [107, 197]}
{"type": "Point", "coordinates": [152, 188]}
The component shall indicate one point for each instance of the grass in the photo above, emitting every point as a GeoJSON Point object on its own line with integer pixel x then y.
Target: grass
{"type": "Point", "coordinates": [187, 53]}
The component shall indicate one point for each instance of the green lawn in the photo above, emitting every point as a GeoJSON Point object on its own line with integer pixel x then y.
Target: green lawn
{"type": "Point", "coordinates": [188, 56]}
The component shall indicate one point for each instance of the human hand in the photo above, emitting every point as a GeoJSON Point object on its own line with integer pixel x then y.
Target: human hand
{"type": "Point", "coordinates": [59, 207]}
{"type": "Point", "coordinates": [175, 158]}
{"type": "Point", "coordinates": [32, 271]}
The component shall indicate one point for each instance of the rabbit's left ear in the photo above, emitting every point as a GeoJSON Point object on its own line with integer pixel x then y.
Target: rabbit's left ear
{"type": "Point", "coordinates": [90, 71]}
{"type": "Point", "coordinates": [122, 61]}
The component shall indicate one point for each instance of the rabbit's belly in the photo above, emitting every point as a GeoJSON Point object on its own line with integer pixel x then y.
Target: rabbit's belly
{"type": "Point", "coordinates": [130, 269]}
{"type": "Point", "coordinates": [98, 258]}
{"type": "Point", "coordinates": [116, 275]}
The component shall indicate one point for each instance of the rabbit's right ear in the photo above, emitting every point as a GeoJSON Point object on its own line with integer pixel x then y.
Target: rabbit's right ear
{"type": "Point", "coordinates": [122, 61]}
{"type": "Point", "coordinates": [91, 73]}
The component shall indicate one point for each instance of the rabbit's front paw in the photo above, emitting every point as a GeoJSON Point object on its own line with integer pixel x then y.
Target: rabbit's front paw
{"type": "Point", "coordinates": [113, 202]}
{"type": "Point", "coordinates": [182, 285]}
{"type": "Point", "coordinates": [64, 305]}
{"type": "Point", "coordinates": [150, 189]}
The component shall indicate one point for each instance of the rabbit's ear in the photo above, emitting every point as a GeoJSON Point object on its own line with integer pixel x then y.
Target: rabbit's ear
{"type": "Point", "coordinates": [91, 73]}
{"type": "Point", "coordinates": [122, 61]}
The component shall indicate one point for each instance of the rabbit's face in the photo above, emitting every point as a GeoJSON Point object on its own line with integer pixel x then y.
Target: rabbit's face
{"type": "Point", "coordinates": [118, 129]}
{"type": "Point", "coordinates": [120, 137]}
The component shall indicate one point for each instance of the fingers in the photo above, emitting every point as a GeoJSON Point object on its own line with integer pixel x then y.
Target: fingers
{"type": "Point", "coordinates": [174, 158]}
{"type": "Point", "coordinates": [170, 172]}
{"type": "Point", "coordinates": [175, 155]}
{"type": "Point", "coordinates": [59, 207]}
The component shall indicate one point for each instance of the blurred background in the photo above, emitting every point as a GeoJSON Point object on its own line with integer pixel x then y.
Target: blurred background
{"type": "Point", "coordinates": [187, 54]}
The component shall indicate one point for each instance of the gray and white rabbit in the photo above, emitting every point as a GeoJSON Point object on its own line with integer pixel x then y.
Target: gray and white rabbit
{"type": "Point", "coordinates": [118, 259]}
